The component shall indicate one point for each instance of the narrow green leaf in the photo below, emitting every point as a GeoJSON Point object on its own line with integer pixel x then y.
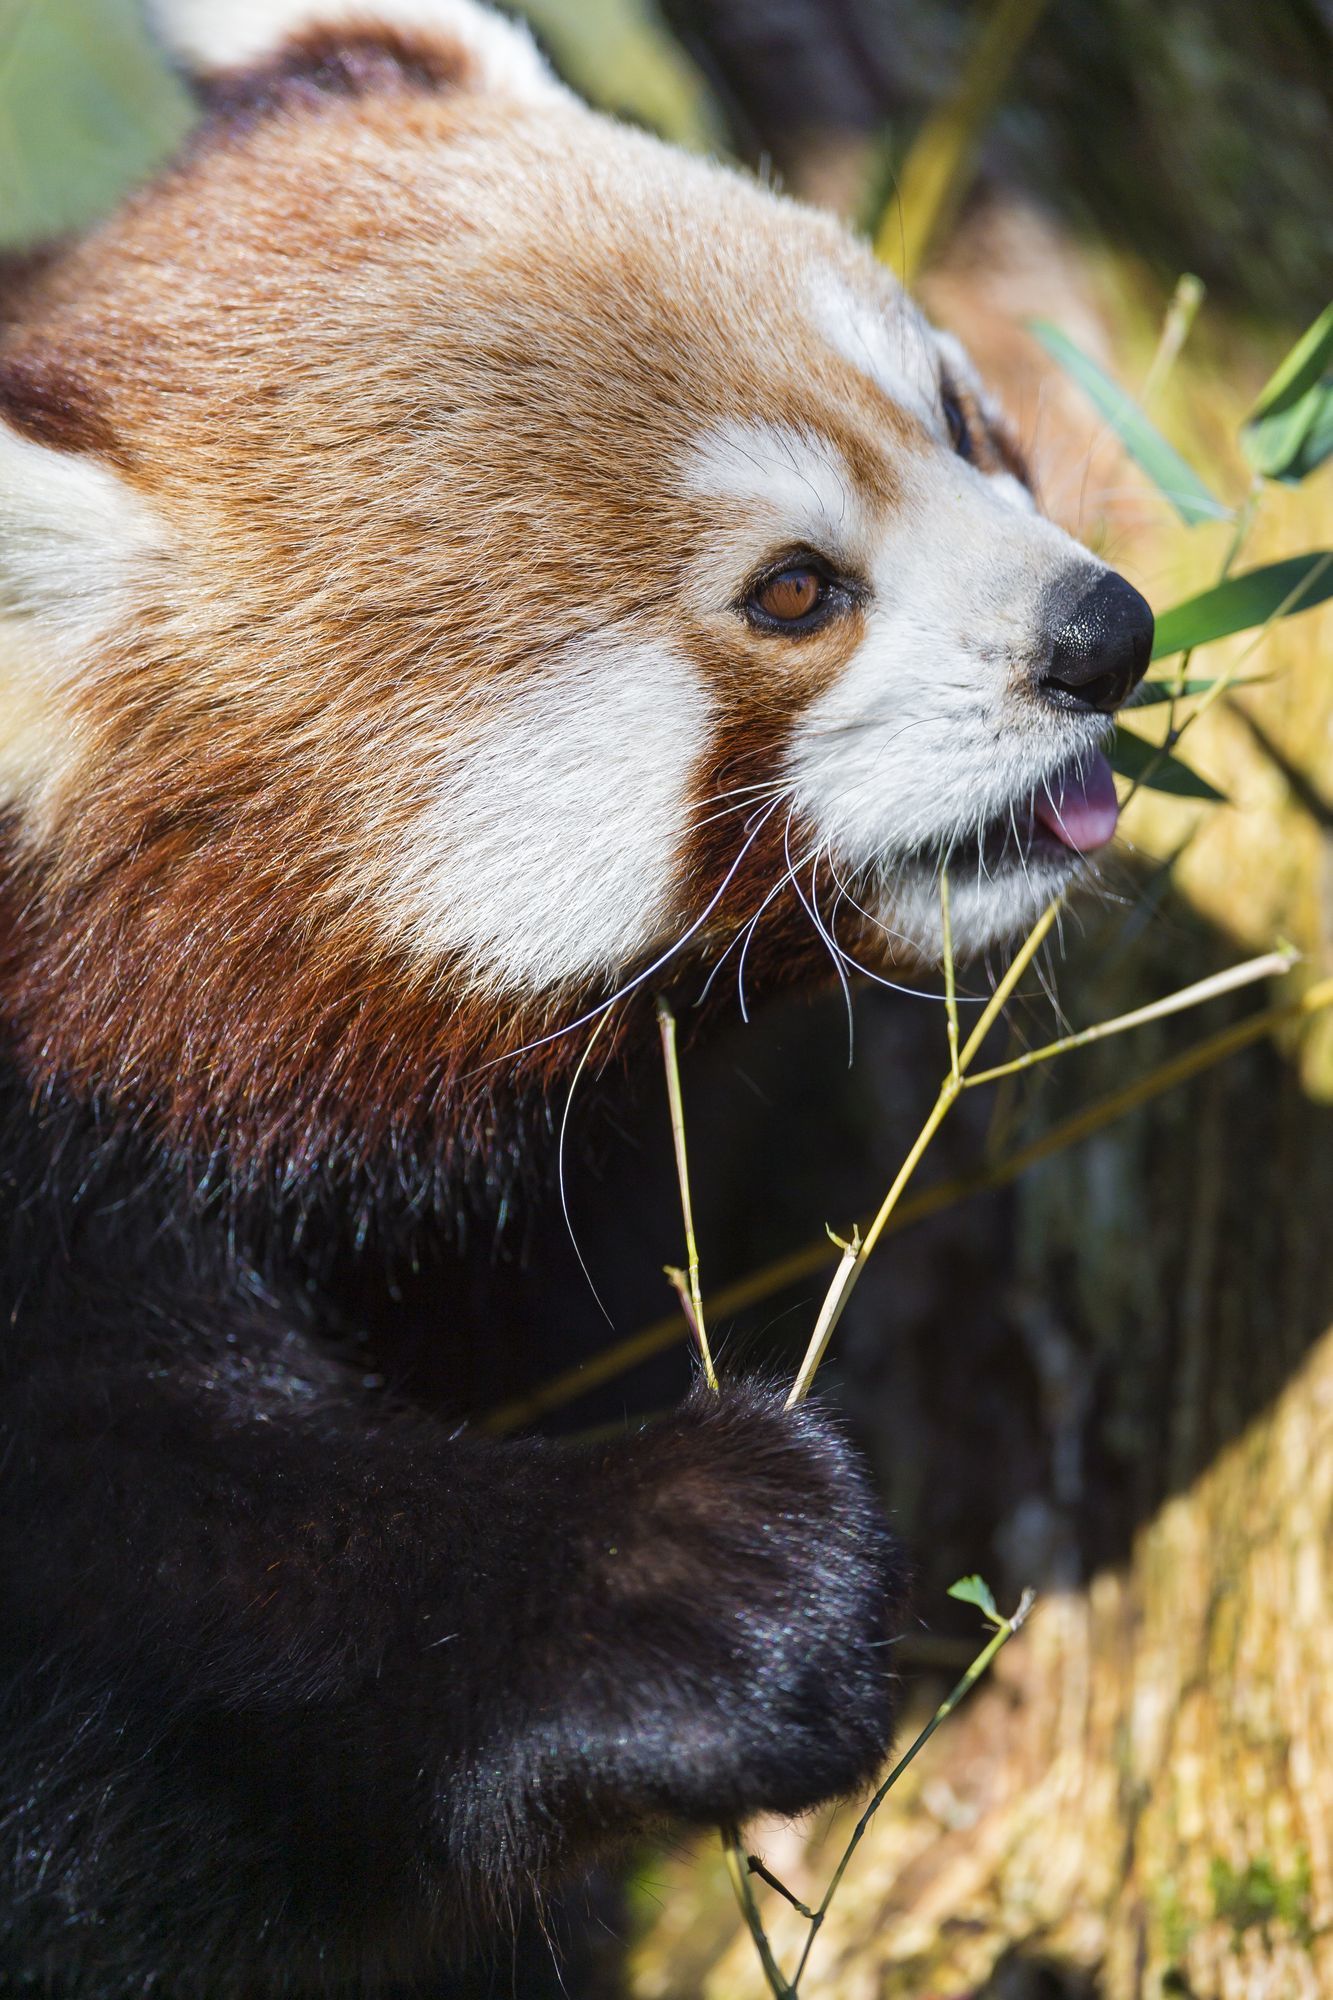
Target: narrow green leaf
{"type": "Point", "coordinates": [1318, 443]}
{"type": "Point", "coordinates": [975, 1590]}
{"type": "Point", "coordinates": [1150, 694]}
{"type": "Point", "coordinates": [1289, 432]}
{"type": "Point", "coordinates": [1308, 362]}
{"type": "Point", "coordinates": [1156, 770]}
{"type": "Point", "coordinates": [1291, 443]}
{"type": "Point", "coordinates": [1170, 473]}
{"type": "Point", "coordinates": [1245, 601]}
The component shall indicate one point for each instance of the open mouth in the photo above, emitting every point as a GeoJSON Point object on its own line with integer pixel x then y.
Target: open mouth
{"type": "Point", "coordinates": [1078, 808]}
{"type": "Point", "coordinates": [1071, 813]}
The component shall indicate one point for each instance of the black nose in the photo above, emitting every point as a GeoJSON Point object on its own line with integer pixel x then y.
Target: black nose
{"type": "Point", "coordinates": [1101, 648]}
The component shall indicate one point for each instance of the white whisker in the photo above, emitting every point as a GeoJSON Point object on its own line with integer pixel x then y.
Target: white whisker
{"type": "Point", "coordinates": [593, 1013]}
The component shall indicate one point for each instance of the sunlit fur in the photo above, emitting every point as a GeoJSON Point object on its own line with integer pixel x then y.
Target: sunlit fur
{"type": "Point", "coordinates": [388, 499]}
{"type": "Point", "coordinates": [380, 491]}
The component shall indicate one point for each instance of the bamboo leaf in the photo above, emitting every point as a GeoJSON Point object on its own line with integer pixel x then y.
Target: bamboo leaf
{"type": "Point", "coordinates": [1151, 694]}
{"type": "Point", "coordinates": [1245, 601]}
{"type": "Point", "coordinates": [1174, 477]}
{"type": "Point", "coordinates": [975, 1590]}
{"type": "Point", "coordinates": [1292, 443]}
{"type": "Point", "coordinates": [1289, 432]}
{"type": "Point", "coordinates": [1157, 770]}
{"type": "Point", "coordinates": [1308, 362]}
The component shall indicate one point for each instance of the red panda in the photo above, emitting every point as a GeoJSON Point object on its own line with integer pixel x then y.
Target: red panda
{"type": "Point", "coordinates": [461, 564]}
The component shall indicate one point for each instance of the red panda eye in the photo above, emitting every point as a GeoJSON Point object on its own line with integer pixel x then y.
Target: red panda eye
{"type": "Point", "coordinates": [791, 595]}
{"type": "Point", "coordinates": [955, 417]}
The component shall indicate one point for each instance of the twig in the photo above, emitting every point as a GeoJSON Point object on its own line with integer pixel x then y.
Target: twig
{"type": "Point", "coordinates": [826, 1321]}
{"type": "Point", "coordinates": [851, 1267]}
{"type": "Point", "coordinates": [691, 1294]}
{"type": "Point", "coordinates": [1005, 1629]}
{"type": "Point", "coordinates": [757, 1867]}
{"type": "Point", "coordinates": [1272, 965]}
{"type": "Point", "coordinates": [1180, 316]}
{"type": "Point", "coordinates": [950, 987]}
{"type": "Point", "coordinates": [780, 1275]}
{"type": "Point", "coordinates": [738, 1867]}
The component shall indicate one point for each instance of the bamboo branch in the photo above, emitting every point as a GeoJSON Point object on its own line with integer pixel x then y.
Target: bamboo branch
{"type": "Point", "coordinates": [854, 1261]}
{"type": "Point", "coordinates": [950, 985]}
{"type": "Point", "coordinates": [784, 1272]}
{"type": "Point", "coordinates": [1272, 965]}
{"type": "Point", "coordinates": [690, 1292]}
{"type": "Point", "coordinates": [757, 1867]}
{"type": "Point", "coordinates": [827, 1320]}
{"type": "Point", "coordinates": [1005, 1629]}
{"type": "Point", "coordinates": [738, 1868]}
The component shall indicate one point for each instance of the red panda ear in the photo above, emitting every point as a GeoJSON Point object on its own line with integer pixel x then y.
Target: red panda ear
{"type": "Point", "coordinates": [460, 41]}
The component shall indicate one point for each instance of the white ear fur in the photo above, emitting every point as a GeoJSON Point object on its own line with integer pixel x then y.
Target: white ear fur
{"type": "Point", "coordinates": [208, 36]}
{"type": "Point", "coordinates": [73, 538]}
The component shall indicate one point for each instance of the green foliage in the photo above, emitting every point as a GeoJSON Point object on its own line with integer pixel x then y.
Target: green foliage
{"type": "Point", "coordinates": [1173, 475]}
{"type": "Point", "coordinates": [1154, 693]}
{"type": "Point", "coordinates": [1289, 432]}
{"type": "Point", "coordinates": [86, 109]}
{"type": "Point", "coordinates": [1256, 1895]}
{"type": "Point", "coordinates": [1239, 603]}
{"type": "Point", "coordinates": [1155, 768]}
{"type": "Point", "coordinates": [88, 106]}
{"type": "Point", "coordinates": [975, 1590]}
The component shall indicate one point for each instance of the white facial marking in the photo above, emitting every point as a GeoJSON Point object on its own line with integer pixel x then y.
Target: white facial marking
{"type": "Point", "coordinates": [922, 740]}
{"type": "Point", "coordinates": [1012, 491]}
{"type": "Point", "coordinates": [887, 341]}
{"type": "Point", "coordinates": [75, 541]}
{"type": "Point", "coordinates": [548, 850]}
{"type": "Point", "coordinates": [796, 478]}
{"type": "Point", "coordinates": [73, 536]}
{"type": "Point", "coordinates": [227, 34]}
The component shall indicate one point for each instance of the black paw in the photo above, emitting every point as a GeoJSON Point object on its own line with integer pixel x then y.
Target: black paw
{"type": "Point", "coordinates": [740, 1617]}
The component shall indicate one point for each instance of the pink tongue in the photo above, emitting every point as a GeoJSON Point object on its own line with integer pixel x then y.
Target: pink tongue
{"type": "Point", "coordinates": [1081, 809]}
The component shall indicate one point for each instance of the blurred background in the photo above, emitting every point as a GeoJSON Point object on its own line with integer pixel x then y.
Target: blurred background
{"type": "Point", "coordinates": [1109, 1373]}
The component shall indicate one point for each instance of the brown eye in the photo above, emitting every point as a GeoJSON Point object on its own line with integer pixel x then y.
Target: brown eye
{"type": "Point", "coordinates": [791, 595]}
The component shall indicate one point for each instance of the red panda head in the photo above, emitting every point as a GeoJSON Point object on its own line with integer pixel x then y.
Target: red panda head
{"type": "Point", "coordinates": [460, 558]}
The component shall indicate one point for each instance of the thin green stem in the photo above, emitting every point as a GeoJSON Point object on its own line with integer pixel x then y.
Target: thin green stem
{"type": "Point", "coordinates": [802, 1264]}
{"type": "Point", "coordinates": [950, 987]}
{"type": "Point", "coordinates": [1003, 1633]}
{"type": "Point", "coordinates": [855, 1255]}
{"type": "Point", "coordinates": [1179, 318]}
{"type": "Point", "coordinates": [827, 1320]}
{"type": "Point", "coordinates": [691, 1292]}
{"type": "Point", "coordinates": [1023, 958]}
{"type": "Point", "coordinates": [738, 1868]}
{"type": "Point", "coordinates": [1272, 965]}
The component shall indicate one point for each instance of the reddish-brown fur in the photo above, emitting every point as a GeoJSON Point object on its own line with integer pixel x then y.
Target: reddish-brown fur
{"type": "Point", "coordinates": [270, 343]}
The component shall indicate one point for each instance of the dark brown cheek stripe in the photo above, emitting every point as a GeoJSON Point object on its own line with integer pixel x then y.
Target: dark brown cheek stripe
{"type": "Point", "coordinates": [746, 835]}
{"type": "Point", "coordinates": [329, 63]}
{"type": "Point", "coordinates": [48, 403]}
